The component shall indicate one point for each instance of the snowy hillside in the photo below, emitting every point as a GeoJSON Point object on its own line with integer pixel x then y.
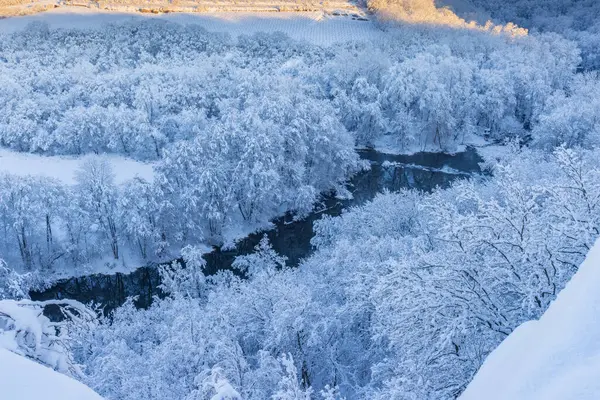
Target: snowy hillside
{"type": "Point", "coordinates": [267, 10]}
{"type": "Point", "coordinates": [556, 357]}
{"type": "Point", "coordinates": [315, 27]}
{"type": "Point", "coordinates": [22, 379]}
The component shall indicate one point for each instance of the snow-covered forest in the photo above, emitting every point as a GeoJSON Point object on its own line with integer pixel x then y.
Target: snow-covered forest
{"type": "Point", "coordinates": [150, 140]}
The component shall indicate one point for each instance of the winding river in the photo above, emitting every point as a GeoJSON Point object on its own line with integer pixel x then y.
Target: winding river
{"type": "Point", "coordinates": [290, 238]}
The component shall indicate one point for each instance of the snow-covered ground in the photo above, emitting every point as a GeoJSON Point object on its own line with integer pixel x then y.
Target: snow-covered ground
{"type": "Point", "coordinates": [556, 357]}
{"type": "Point", "coordinates": [23, 379]}
{"type": "Point", "coordinates": [64, 168]}
{"type": "Point", "coordinates": [315, 27]}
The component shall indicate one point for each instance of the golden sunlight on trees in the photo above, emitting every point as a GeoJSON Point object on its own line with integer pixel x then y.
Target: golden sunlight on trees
{"type": "Point", "coordinates": [426, 12]}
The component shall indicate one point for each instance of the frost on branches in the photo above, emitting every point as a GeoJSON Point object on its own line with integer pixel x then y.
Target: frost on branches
{"type": "Point", "coordinates": [241, 130]}
{"type": "Point", "coordinates": [25, 330]}
{"type": "Point", "coordinates": [404, 297]}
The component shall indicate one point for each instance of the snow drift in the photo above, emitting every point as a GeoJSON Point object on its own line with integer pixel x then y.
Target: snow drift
{"type": "Point", "coordinates": [23, 379]}
{"type": "Point", "coordinates": [556, 357]}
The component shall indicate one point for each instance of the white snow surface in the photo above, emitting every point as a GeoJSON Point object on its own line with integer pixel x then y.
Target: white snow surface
{"type": "Point", "coordinates": [25, 320]}
{"type": "Point", "coordinates": [556, 357]}
{"type": "Point", "coordinates": [23, 379]}
{"type": "Point", "coordinates": [315, 27]}
{"type": "Point", "coordinates": [64, 168]}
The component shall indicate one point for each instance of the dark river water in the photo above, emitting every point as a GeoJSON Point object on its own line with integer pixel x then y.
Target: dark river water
{"type": "Point", "coordinates": [290, 238]}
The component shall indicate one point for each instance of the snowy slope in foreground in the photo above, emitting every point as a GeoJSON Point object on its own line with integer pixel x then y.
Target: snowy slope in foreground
{"type": "Point", "coordinates": [64, 168]}
{"type": "Point", "coordinates": [557, 357]}
{"type": "Point", "coordinates": [23, 379]}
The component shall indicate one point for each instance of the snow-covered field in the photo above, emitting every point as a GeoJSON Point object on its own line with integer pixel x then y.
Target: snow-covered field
{"type": "Point", "coordinates": [64, 168]}
{"type": "Point", "coordinates": [556, 357]}
{"type": "Point", "coordinates": [315, 27]}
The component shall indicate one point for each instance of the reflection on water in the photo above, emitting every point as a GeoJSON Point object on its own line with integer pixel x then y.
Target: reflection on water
{"type": "Point", "coordinates": [423, 171]}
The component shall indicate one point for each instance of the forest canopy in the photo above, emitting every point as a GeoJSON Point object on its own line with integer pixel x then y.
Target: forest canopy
{"type": "Point", "coordinates": [243, 129]}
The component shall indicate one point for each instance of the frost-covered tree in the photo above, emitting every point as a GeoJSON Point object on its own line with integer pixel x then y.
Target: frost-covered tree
{"type": "Point", "coordinates": [571, 117]}
{"type": "Point", "coordinates": [97, 196]}
{"type": "Point", "coordinates": [25, 330]}
{"type": "Point", "coordinates": [289, 388]}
